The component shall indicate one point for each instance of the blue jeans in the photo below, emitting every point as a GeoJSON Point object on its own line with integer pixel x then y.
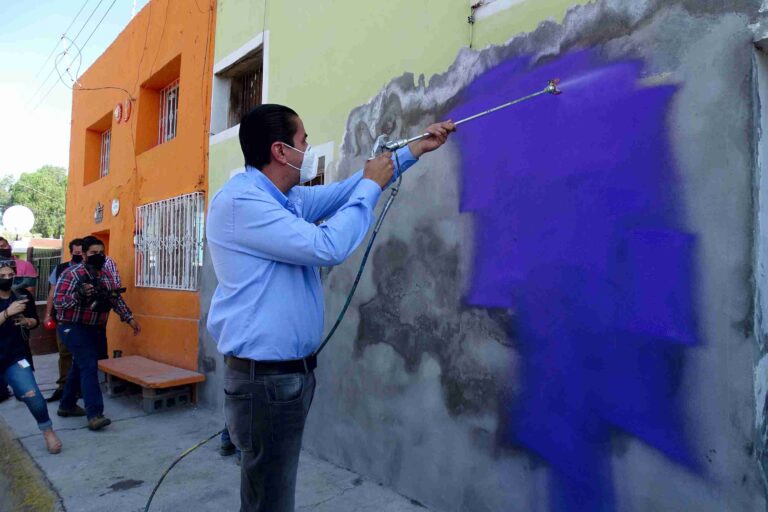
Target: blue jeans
{"type": "Point", "coordinates": [82, 341]}
{"type": "Point", "coordinates": [265, 416]}
{"type": "Point", "coordinates": [22, 380]}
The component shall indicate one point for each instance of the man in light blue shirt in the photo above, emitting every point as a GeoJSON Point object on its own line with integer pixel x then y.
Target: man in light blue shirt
{"type": "Point", "coordinates": [266, 244]}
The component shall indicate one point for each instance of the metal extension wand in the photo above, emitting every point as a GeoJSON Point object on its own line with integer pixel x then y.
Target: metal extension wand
{"type": "Point", "coordinates": [382, 144]}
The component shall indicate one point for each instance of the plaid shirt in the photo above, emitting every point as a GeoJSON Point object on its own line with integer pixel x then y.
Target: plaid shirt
{"type": "Point", "coordinates": [70, 307]}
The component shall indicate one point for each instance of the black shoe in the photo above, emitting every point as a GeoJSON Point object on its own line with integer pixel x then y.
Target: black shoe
{"type": "Point", "coordinates": [98, 422]}
{"type": "Point", "coordinates": [75, 411]}
{"type": "Point", "coordinates": [56, 396]}
{"type": "Point", "coordinates": [227, 448]}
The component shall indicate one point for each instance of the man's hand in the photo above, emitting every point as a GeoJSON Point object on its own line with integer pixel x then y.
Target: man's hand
{"type": "Point", "coordinates": [439, 131]}
{"type": "Point", "coordinates": [380, 169]}
{"type": "Point", "coordinates": [135, 326]}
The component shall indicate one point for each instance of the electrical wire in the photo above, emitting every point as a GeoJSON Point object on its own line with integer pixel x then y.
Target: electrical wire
{"type": "Point", "coordinates": [45, 81]}
{"type": "Point", "coordinates": [63, 35]}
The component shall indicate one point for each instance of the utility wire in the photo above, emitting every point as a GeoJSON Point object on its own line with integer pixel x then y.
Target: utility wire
{"type": "Point", "coordinates": [44, 82]}
{"type": "Point", "coordinates": [63, 35]}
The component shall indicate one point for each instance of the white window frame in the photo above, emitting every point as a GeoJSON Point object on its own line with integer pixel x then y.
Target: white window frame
{"type": "Point", "coordinates": [222, 85]}
{"type": "Point", "coordinates": [169, 243]}
{"type": "Point", "coordinates": [169, 112]}
{"type": "Point", "coordinates": [106, 143]}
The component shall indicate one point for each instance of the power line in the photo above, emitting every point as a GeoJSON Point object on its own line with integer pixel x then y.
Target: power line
{"type": "Point", "coordinates": [63, 35]}
{"type": "Point", "coordinates": [65, 52]}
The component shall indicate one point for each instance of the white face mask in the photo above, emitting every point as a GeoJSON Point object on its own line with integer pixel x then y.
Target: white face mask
{"type": "Point", "coordinates": [308, 169]}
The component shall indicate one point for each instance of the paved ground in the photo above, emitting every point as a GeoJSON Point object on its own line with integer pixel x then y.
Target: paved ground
{"type": "Point", "coordinates": [115, 469]}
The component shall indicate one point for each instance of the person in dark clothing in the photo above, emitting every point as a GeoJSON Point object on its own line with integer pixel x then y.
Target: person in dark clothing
{"type": "Point", "coordinates": [17, 315]}
{"type": "Point", "coordinates": [65, 358]}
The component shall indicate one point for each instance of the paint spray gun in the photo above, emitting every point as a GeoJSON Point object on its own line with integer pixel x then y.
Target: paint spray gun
{"type": "Point", "coordinates": [383, 142]}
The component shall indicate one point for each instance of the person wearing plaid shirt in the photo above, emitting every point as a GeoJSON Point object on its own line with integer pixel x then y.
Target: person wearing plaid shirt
{"type": "Point", "coordinates": [85, 294]}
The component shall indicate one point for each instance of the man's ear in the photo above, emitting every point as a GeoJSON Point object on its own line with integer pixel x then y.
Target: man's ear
{"type": "Point", "coordinates": [278, 153]}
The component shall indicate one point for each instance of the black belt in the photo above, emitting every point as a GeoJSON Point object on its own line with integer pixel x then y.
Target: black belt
{"type": "Point", "coordinates": [249, 366]}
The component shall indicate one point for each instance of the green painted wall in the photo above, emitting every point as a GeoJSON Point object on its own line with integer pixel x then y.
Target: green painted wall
{"type": "Point", "coordinates": [328, 56]}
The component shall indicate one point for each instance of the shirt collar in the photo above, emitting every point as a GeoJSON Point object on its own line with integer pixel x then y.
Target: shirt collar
{"type": "Point", "coordinates": [266, 184]}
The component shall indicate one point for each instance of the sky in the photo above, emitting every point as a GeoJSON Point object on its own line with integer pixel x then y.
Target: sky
{"type": "Point", "coordinates": [36, 113]}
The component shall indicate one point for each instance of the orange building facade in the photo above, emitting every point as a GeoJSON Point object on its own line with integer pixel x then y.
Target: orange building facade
{"type": "Point", "coordinates": [138, 171]}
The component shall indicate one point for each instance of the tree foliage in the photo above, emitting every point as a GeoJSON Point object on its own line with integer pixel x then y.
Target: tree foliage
{"type": "Point", "coordinates": [43, 192]}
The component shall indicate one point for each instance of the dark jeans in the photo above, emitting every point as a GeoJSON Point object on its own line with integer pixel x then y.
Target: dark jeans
{"type": "Point", "coordinates": [83, 342]}
{"type": "Point", "coordinates": [265, 416]}
{"type": "Point", "coordinates": [22, 380]}
{"type": "Point", "coordinates": [65, 362]}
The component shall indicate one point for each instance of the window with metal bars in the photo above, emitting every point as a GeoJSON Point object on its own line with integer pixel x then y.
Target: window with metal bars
{"type": "Point", "coordinates": [106, 141]}
{"type": "Point", "coordinates": [247, 78]}
{"type": "Point", "coordinates": [169, 243]}
{"type": "Point", "coordinates": [169, 108]}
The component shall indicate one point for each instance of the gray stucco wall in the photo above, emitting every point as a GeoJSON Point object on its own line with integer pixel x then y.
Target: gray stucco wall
{"type": "Point", "coordinates": [409, 389]}
{"type": "Point", "coordinates": [411, 399]}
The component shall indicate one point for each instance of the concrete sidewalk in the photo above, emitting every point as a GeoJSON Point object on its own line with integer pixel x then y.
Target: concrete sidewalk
{"type": "Point", "coordinates": [116, 468]}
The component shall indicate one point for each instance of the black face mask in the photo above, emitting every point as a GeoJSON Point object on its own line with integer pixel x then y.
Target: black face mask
{"type": "Point", "coordinates": [6, 254]}
{"type": "Point", "coordinates": [96, 261]}
{"type": "Point", "coordinates": [6, 284]}
{"type": "Point", "coordinates": [77, 258]}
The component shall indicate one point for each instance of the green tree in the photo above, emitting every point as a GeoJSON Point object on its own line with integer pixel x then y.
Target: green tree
{"type": "Point", "coordinates": [44, 192]}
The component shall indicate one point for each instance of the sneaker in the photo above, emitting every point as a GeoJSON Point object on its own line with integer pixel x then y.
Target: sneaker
{"type": "Point", "coordinates": [56, 396]}
{"type": "Point", "coordinates": [98, 422]}
{"type": "Point", "coordinates": [227, 448]}
{"type": "Point", "coordinates": [75, 411]}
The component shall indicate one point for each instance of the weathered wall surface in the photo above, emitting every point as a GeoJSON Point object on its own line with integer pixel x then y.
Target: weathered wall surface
{"type": "Point", "coordinates": [410, 388]}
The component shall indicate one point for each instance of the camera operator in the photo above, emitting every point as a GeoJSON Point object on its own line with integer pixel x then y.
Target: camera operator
{"type": "Point", "coordinates": [84, 295]}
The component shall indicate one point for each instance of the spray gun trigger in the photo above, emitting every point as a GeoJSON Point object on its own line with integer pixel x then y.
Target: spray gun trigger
{"type": "Point", "coordinates": [379, 146]}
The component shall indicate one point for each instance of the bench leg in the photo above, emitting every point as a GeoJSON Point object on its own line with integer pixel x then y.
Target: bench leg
{"type": "Point", "coordinates": [154, 400]}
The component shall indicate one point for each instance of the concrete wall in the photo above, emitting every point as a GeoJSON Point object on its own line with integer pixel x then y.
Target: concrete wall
{"type": "Point", "coordinates": [410, 388]}
{"type": "Point", "coordinates": [411, 399]}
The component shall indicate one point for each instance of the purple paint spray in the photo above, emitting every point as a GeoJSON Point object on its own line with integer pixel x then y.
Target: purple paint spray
{"type": "Point", "coordinates": [578, 231]}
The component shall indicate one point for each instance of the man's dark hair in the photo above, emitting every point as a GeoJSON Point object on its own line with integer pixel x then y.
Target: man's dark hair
{"type": "Point", "coordinates": [3, 239]}
{"type": "Point", "coordinates": [89, 241]}
{"type": "Point", "coordinates": [263, 126]}
{"type": "Point", "coordinates": [74, 242]}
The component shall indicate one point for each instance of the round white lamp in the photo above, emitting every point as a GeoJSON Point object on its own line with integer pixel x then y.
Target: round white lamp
{"type": "Point", "coordinates": [18, 219]}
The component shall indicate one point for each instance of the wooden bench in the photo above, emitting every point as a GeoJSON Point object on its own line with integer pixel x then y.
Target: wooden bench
{"type": "Point", "coordinates": [162, 386]}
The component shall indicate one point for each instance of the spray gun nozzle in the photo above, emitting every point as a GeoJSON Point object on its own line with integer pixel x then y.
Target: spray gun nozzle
{"type": "Point", "coordinates": [553, 88]}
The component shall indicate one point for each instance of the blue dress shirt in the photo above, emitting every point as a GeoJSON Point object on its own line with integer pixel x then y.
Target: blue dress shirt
{"type": "Point", "coordinates": [266, 250]}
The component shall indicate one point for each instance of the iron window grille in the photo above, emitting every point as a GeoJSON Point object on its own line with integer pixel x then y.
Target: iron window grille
{"type": "Point", "coordinates": [246, 87]}
{"type": "Point", "coordinates": [169, 109]}
{"type": "Point", "coordinates": [169, 242]}
{"type": "Point", "coordinates": [106, 141]}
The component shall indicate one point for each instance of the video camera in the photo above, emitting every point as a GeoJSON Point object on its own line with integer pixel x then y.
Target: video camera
{"type": "Point", "coordinates": [101, 298]}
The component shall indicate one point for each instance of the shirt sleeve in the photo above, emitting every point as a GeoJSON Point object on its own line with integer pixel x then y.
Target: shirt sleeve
{"type": "Point", "coordinates": [322, 201]}
{"type": "Point", "coordinates": [64, 296]}
{"type": "Point", "coordinates": [52, 277]}
{"type": "Point", "coordinates": [122, 309]}
{"type": "Point", "coordinates": [266, 229]}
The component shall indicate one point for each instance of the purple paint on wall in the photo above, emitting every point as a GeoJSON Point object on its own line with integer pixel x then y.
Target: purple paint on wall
{"type": "Point", "coordinates": [578, 230]}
